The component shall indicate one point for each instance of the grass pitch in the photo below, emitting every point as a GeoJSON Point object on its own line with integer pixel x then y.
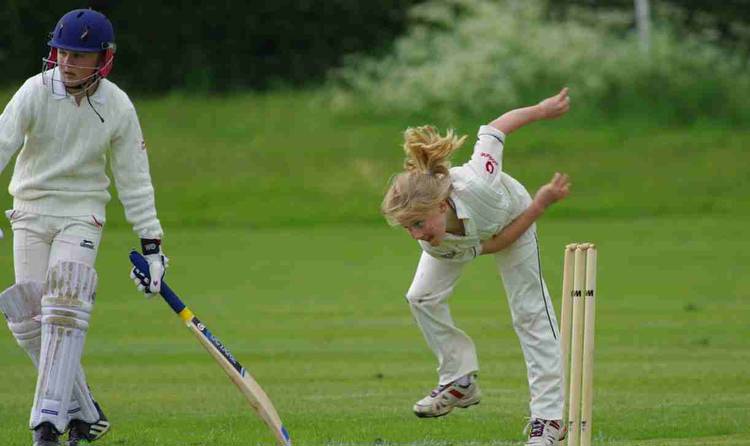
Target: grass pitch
{"type": "Point", "coordinates": [318, 316]}
{"type": "Point", "coordinates": [270, 207]}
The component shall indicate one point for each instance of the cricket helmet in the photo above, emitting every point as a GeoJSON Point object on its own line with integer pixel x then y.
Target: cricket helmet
{"type": "Point", "coordinates": [84, 31]}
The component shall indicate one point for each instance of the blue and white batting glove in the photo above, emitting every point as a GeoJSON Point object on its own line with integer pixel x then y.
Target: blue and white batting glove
{"type": "Point", "coordinates": [149, 282]}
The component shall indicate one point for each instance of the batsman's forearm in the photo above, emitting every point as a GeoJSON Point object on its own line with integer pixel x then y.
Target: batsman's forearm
{"type": "Point", "coordinates": [515, 119]}
{"type": "Point", "coordinates": [513, 231]}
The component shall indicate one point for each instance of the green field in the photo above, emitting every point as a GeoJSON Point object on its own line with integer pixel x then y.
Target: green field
{"type": "Point", "coordinates": [270, 207]}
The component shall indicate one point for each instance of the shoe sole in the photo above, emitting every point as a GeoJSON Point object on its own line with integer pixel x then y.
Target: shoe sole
{"type": "Point", "coordinates": [466, 406]}
{"type": "Point", "coordinates": [429, 415]}
{"type": "Point", "coordinates": [96, 431]}
{"type": "Point", "coordinates": [99, 429]}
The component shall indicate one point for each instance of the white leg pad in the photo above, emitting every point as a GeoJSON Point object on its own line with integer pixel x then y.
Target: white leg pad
{"type": "Point", "coordinates": [22, 306]}
{"type": "Point", "coordinates": [66, 308]}
{"type": "Point", "coordinates": [82, 402]}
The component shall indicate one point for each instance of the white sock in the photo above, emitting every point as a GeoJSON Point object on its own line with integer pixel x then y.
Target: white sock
{"type": "Point", "coordinates": [465, 380]}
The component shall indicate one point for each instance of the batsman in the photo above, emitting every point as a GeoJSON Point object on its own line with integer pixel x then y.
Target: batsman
{"type": "Point", "coordinates": [68, 121]}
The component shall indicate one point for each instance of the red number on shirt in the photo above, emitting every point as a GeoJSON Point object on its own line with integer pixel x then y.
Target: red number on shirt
{"type": "Point", "coordinates": [490, 167]}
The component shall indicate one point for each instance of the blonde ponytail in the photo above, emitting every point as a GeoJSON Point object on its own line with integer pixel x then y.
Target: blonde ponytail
{"type": "Point", "coordinates": [427, 151]}
{"type": "Point", "coordinates": [426, 181]}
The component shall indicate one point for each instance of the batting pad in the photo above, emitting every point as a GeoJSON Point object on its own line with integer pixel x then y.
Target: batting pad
{"type": "Point", "coordinates": [66, 308]}
{"type": "Point", "coordinates": [22, 306]}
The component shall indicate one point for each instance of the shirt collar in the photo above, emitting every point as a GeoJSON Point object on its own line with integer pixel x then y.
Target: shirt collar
{"type": "Point", "coordinates": [59, 92]}
{"type": "Point", "coordinates": [463, 214]}
{"type": "Point", "coordinates": [58, 88]}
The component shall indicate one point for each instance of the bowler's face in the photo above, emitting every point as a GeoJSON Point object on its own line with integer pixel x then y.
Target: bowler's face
{"type": "Point", "coordinates": [430, 228]}
{"type": "Point", "coordinates": [76, 68]}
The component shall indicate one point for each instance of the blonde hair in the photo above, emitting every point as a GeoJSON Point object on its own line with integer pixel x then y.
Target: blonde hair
{"type": "Point", "coordinates": [426, 181]}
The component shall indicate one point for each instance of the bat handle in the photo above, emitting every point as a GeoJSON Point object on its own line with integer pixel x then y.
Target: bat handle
{"type": "Point", "coordinates": [166, 292]}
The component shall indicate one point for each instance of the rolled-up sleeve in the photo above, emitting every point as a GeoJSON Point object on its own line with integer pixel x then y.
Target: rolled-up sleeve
{"type": "Point", "coordinates": [132, 178]}
{"type": "Point", "coordinates": [487, 159]}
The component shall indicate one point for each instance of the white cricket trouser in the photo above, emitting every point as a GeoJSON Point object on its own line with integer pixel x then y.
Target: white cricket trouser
{"type": "Point", "coordinates": [531, 310]}
{"type": "Point", "coordinates": [42, 241]}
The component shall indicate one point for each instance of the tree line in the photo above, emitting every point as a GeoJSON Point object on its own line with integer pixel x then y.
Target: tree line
{"type": "Point", "coordinates": [224, 45]}
{"type": "Point", "coordinates": [211, 46]}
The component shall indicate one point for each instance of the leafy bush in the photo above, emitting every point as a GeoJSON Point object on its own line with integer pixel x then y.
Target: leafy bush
{"type": "Point", "coordinates": [473, 56]}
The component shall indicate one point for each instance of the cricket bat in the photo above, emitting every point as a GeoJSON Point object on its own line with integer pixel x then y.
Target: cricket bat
{"type": "Point", "coordinates": [254, 394]}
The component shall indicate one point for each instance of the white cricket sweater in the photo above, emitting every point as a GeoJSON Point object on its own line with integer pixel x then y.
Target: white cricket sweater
{"type": "Point", "coordinates": [60, 170]}
{"type": "Point", "coordinates": [486, 199]}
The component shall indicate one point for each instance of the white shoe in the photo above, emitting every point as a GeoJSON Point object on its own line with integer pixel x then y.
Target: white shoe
{"type": "Point", "coordinates": [444, 398]}
{"type": "Point", "coordinates": [545, 432]}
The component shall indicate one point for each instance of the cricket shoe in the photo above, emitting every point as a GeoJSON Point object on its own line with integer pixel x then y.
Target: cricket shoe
{"type": "Point", "coordinates": [46, 435]}
{"type": "Point", "coordinates": [82, 433]}
{"type": "Point", "coordinates": [545, 432]}
{"type": "Point", "coordinates": [444, 398]}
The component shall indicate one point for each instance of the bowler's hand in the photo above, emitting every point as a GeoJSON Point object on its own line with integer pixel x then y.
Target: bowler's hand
{"type": "Point", "coordinates": [555, 106]}
{"type": "Point", "coordinates": [557, 189]}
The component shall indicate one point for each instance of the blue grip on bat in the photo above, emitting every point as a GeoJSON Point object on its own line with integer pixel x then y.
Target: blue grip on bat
{"type": "Point", "coordinates": [169, 296]}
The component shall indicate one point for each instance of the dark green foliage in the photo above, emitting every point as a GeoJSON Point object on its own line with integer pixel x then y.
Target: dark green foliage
{"type": "Point", "coordinates": [211, 46]}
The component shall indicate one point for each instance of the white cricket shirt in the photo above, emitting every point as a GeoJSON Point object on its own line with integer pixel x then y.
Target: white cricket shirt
{"type": "Point", "coordinates": [60, 170]}
{"type": "Point", "coordinates": [486, 199]}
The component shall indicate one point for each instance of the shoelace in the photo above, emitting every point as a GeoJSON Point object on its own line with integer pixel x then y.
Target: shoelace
{"type": "Point", "coordinates": [438, 389]}
{"type": "Point", "coordinates": [536, 427]}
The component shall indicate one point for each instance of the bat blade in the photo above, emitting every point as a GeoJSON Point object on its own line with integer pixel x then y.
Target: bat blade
{"type": "Point", "coordinates": [253, 393]}
{"type": "Point", "coordinates": [241, 378]}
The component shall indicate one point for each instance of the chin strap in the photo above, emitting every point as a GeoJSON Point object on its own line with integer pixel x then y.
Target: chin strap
{"type": "Point", "coordinates": [88, 98]}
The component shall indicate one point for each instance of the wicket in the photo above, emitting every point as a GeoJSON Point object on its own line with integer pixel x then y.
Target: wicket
{"type": "Point", "coordinates": [578, 304]}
